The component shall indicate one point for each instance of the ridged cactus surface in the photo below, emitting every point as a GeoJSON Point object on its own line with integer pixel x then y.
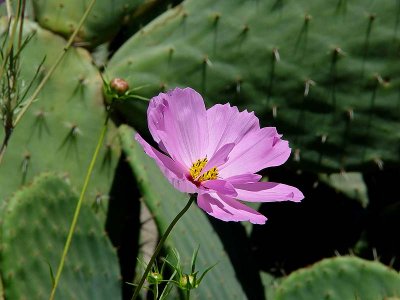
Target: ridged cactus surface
{"type": "Point", "coordinates": [164, 203]}
{"type": "Point", "coordinates": [341, 278]}
{"type": "Point", "coordinates": [33, 232]}
{"type": "Point", "coordinates": [325, 73]}
{"type": "Point", "coordinates": [60, 130]}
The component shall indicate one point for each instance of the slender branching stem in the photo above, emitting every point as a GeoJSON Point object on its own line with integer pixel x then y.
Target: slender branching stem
{"type": "Point", "coordinates": [9, 9]}
{"type": "Point", "coordinates": [10, 39]}
{"type": "Point", "coordinates": [21, 24]}
{"type": "Point", "coordinates": [3, 147]}
{"type": "Point", "coordinates": [78, 209]}
{"type": "Point", "coordinates": [161, 244]}
{"type": "Point", "coordinates": [7, 116]}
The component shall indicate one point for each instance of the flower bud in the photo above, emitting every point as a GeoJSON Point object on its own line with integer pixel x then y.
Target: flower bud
{"type": "Point", "coordinates": [187, 282]}
{"type": "Point", "coordinates": [154, 278]}
{"type": "Point", "coordinates": [119, 85]}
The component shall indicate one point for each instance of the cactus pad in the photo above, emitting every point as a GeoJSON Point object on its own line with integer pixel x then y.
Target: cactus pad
{"type": "Point", "coordinates": [341, 278]}
{"type": "Point", "coordinates": [34, 229]}
{"type": "Point", "coordinates": [60, 130]}
{"type": "Point", "coordinates": [326, 74]}
{"type": "Point", "coordinates": [103, 21]}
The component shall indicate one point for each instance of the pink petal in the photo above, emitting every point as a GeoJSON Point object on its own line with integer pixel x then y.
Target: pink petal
{"type": "Point", "coordinates": [228, 209]}
{"type": "Point", "coordinates": [185, 186]}
{"type": "Point", "coordinates": [178, 119]}
{"type": "Point", "coordinates": [267, 192]}
{"type": "Point", "coordinates": [257, 150]}
{"type": "Point", "coordinates": [161, 159]}
{"type": "Point", "coordinates": [243, 178]}
{"type": "Point", "coordinates": [219, 158]}
{"type": "Point", "coordinates": [227, 125]}
{"type": "Point", "coordinates": [174, 171]}
{"type": "Point", "coordinates": [221, 186]}
{"type": "Point", "coordinates": [155, 115]}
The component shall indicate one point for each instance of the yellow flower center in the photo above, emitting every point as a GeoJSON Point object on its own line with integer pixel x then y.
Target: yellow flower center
{"type": "Point", "coordinates": [198, 166]}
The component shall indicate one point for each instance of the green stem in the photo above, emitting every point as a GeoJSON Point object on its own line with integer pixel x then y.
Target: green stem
{"type": "Point", "coordinates": [21, 24]}
{"type": "Point", "coordinates": [3, 147]}
{"type": "Point", "coordinates": [188, 292]}
{"type": "Point", "coordinates": [78, 209]}
{"type": "Point", "coordinates": [11, 38]}
{"type": "Point", "coordinates": [9, 9]}
{"type": "Point", "coordinates": [160, 245]}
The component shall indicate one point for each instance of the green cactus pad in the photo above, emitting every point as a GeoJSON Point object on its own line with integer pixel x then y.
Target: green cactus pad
{"type": "Point", "coordinates": [102, 23]}
{"type": "Point", "coordinates": [164, 202]}
{"type": "Point", "coordinates": [341, 278]}
{"type": "Point", "coordinates": [60, 130]}
{"type": "Point", "coordinates": [34, 229]}
{"type": "Point", "coordinates": [325, 73]}
{"type": "Point", "coordinates": [350, 184]}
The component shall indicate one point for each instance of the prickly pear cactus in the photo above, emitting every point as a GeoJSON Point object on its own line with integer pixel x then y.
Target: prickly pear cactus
{"type": "Point", "coordinates": [33, 232]}
{"type": "Point", "coordinates": [326, 74]}
{"type": "Point", "coordinates": [103, 21]}
{"type": "Point", "coordinates": [341, 278]}
{"type": "Point", "coordinates": [191, 231]}
{"type": "Point", "coordinates": [60, 130]}
{"type": "Point", "coordinates": [350, 184]}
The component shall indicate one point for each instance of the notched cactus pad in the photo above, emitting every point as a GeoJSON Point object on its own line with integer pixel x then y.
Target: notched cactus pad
{"type": "Point", "coordinates": [325, 73]}
{"type": "Point", "coordinates": [34, 229]}
{"type": "Point", "coordinates": [341, 278]}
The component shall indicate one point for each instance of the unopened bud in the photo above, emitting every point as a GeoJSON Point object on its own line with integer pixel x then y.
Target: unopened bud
{"type": "Point", "coordinates": [187, 282]}
{"type": "Point", "coordinates": [119, 85]}
{"type": "Point", "coordinates": [154, 278]}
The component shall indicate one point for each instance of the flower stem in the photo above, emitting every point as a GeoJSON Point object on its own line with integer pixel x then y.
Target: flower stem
{"type": "Point", "coordinates": [188, 294]}
{"type": "Point", "coordinates": [161, 244]}
{"type": "Point", "coordinates": [78, 209]}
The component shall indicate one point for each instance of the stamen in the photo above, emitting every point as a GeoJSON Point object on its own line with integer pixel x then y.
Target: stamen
{"type": "Point", "coordinates": [198, 166]}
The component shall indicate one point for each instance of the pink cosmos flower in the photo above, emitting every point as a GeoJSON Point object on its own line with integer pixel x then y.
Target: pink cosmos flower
{"type": "Point", "coordinates": [216, 153]}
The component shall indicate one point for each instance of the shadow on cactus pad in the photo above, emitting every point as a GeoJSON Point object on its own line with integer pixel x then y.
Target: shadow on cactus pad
{"type": "Point", "coordinates": [297, 235]}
